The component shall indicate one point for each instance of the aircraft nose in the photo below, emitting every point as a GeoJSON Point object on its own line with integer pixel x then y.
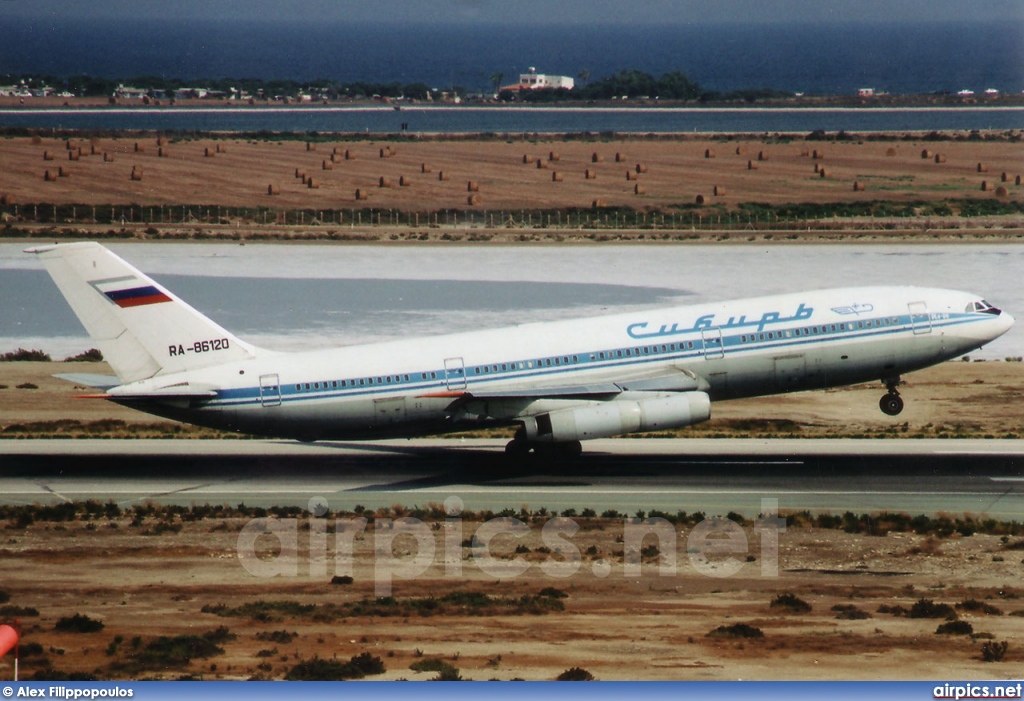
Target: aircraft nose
{"type": "Point", "coordinates": [1006, 321]}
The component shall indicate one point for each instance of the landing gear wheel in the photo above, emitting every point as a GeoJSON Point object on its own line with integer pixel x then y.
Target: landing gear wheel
{"type": "Point", "coordinates": [571, 449]}
{"type": "Point", "coordinates": [517, 448]}
{"type": "Point", "coordinates": [891, 404]}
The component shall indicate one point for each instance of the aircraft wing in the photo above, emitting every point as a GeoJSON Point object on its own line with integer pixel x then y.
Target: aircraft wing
{"type": "Point", "coordinates": [674, 380]}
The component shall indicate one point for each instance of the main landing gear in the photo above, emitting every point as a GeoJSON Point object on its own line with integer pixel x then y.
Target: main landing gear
{"type": "Point", "coordinates": [519, 447]}
{"type": "Point", "coordinates": [891, 403]}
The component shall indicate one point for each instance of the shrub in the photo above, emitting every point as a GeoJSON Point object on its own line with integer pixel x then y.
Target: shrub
{"type": "Point", "coordinates": [177, 651]}
{"type": "Point", "coordinates": [896, 610]}
{"type": "Point", "coordinates": [849, 612]}
{"type": "Point", "coordinates": [575, 674]}
{"type": "Point", "coordinates": [78, 624]}
{"type": "Point", "coordinates": [790, 603]}
{"type": "Point", "coordinates": [926, 608]}
{"type": "Point", "coordinates": [992, 651]}
{"type": "Point", "coordinates": [278, 636]}
{"type": "Point", "coordinates": [318, 669]}
{"type": "Point", "coordinates": [93, 355]}
{"type": "Point", "coordinates": [429, 664]}
{"type": "Point", "coordinates": [342, 579]}
{"type": "Point", "coordinates": [975, 606]}
{"type": "Point", "coordinates": [445, 671]}
{"type": "Point", "coordinates": [25, 355]}
{"type": "Point", "coordinates": [736, 630]}
{"type": "Point", "coordinates": [955, 628]}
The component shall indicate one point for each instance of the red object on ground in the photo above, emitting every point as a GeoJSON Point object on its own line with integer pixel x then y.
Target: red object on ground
{"type": "Point", "coordinates": [8, 639]}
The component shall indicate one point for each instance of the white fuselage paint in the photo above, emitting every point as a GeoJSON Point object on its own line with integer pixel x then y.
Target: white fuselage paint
{"type": "Point", "coordinates": [743, 348]}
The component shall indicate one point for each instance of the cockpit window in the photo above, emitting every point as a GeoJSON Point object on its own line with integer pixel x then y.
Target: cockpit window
{"type": "Point", "coordinates": [981, 306]}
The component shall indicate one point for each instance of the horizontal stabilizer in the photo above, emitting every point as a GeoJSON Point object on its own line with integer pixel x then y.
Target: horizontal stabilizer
{"type": "Point", "coordinates": [94, 380]}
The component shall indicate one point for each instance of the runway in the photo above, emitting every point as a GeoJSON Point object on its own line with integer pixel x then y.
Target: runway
{"type": "Point", "coordinates": [978, 477]}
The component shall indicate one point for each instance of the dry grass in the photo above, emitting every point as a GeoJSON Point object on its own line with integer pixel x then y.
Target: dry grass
{"type": "Point", "coordinates": [181, 172]}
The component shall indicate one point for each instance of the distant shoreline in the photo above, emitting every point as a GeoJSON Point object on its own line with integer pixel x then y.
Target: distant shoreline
{"type": "Point", "coordinates": [1003, 101]}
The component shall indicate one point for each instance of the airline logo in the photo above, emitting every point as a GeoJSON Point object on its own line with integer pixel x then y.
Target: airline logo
{"type": "Point", "coordinates": [127, 292]}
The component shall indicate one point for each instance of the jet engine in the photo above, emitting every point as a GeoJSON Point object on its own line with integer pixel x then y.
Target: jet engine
{"type": "Point", "coordinates": [619, 416]}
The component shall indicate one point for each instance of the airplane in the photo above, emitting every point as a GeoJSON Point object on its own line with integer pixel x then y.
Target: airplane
{"type": "Point", "coordinates": [559, 383]}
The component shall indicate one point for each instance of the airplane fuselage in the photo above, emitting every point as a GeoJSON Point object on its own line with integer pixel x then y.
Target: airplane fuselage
{"type": "Point", "coordinates": [743, 348]}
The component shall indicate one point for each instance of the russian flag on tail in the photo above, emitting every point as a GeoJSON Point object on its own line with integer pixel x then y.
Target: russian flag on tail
{"type": "Point", "coordinates": [136, 296]}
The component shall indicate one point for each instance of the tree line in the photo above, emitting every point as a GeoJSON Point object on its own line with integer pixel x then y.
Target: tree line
{"type": "Point", "coordinates": [631, 84]}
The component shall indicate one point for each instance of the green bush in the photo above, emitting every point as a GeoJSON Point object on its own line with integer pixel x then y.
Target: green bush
{"type": "Point", "coordinates": [318, 669]}
{"type": "Point", "coordinates": [176, 651]}
{"type": "Point", "coordinates": [445, 672]}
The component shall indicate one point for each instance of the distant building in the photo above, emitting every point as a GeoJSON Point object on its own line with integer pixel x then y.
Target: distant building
{"type": "Point", "coordinates": [532, 80]}
{"type": "Point", "coordinates": [866, 92]}
{"type": "Point", "coordinates": [130, 93]}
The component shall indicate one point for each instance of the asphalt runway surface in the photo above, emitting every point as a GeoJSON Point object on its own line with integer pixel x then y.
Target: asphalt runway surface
{"type": "Point", "coordinates": [976, 477]}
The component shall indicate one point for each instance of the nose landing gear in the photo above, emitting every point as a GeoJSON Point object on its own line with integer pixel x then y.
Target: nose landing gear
{"type": "Point", "coordinates": [891, 403]}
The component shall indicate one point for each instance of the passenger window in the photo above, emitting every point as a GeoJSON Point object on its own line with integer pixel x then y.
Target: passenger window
{"type": "Point", "coordinates": [298, 388]}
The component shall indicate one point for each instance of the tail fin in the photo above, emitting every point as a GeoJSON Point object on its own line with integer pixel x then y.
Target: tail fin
{"type": "Point", "coordinates": [141, 328]}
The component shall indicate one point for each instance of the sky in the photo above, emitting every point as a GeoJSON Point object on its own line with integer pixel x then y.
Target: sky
{"type": "Point", "coordinates": [568, 12]}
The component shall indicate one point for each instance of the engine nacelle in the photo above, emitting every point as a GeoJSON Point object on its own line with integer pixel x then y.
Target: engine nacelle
{"type": "Point", "coordinates": [619, 416]}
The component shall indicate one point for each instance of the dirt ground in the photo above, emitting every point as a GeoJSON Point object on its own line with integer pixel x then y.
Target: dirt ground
{"type": "Point", "coordinates": [954, 399]}
{"type": "Point", "coordinates": [145, 580]}
{"type": "Point", "coordinates": [521, 173]}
